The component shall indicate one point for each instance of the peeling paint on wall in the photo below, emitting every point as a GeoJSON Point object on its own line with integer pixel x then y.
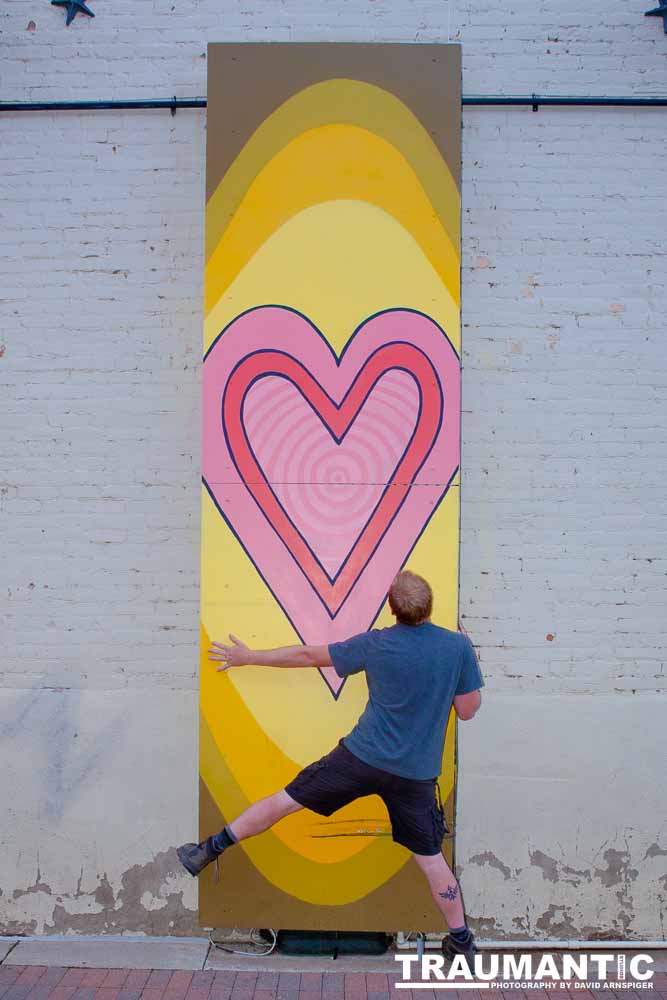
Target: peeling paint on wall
{"type": "Point", "coordinates": [618, 870]}
{"type": "Point", "coordinates": [607, 893]}
{"type": "Point", "coordinates": [555, 871]}
{"type": "Point", "coordinates": [556, 922]}
{"type": "Point", "coordinates": [149, 900]}
{"type": "Point", "coordinates": [488, 858]}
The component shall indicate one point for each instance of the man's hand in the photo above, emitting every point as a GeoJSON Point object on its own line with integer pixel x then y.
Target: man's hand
{"type": "Point", "coordinates": [237, 655]}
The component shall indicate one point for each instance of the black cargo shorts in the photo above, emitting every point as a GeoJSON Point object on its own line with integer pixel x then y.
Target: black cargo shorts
{"type": "Point", "coordinates": [414, 806]}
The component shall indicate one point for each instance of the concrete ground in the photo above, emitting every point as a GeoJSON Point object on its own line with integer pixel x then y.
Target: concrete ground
{"type": "Point", "coordinates": [121, 968]}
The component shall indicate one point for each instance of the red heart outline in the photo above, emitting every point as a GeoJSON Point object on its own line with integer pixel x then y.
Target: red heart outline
{"type": "Point", "coordinates": [337, 418]}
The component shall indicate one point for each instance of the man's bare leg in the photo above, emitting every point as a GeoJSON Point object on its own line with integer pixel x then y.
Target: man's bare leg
{"type": "Point", "coordinates": [258, 817]}
{"type": "Point", "coordinates": [262, 815]}
{"type": "Point", "coordinates": [447, 895]}
{"type": "Point", "coordinates": [444, 887]}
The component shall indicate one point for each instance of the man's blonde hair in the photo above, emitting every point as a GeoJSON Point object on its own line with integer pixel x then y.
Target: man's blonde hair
{"type": "Point", "coordinates": [410, 598]}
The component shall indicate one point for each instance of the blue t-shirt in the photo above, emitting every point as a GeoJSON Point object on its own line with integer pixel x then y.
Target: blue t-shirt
{"type": "Point", "coordinates": [413, 673]}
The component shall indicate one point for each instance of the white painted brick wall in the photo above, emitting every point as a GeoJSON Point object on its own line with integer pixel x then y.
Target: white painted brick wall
{"type": "Point", "coordinates": [563, 530]}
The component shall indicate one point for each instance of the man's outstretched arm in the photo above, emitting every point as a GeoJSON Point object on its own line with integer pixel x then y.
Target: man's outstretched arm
{"type": "Point", "coordinates": [240, 655]}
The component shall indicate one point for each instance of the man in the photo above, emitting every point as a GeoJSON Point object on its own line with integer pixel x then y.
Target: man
{"type": "Point", "coordinates": [415, 671]}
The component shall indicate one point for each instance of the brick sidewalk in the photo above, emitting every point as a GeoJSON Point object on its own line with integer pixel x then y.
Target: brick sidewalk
{"type": "Point", "coordinates": [37, 982]}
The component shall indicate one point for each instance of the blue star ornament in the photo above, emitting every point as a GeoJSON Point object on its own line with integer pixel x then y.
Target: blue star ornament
{"type": "Point", "coordinates": [73, 8]}
{"type": "Point", "coordinates": [660, 11]}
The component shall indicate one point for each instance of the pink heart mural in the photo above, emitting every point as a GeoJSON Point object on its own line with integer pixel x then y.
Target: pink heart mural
{"type": "Point", "coordinates": [328, 470]}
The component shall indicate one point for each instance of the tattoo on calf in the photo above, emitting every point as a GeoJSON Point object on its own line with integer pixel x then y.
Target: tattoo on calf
{"type": "Point", "coordinates": [451, 892]}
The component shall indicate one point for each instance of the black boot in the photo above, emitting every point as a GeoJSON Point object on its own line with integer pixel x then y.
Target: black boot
{"type": "Point", "coordinates": [451, 948]}
{"type": "Point", "coordinates": [195, 857]}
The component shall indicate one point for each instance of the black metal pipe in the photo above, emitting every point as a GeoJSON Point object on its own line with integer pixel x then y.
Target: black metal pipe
{"type": "Point", "coordinates": [173, 104]}
{"type": "Point", "coordinates": [170, 104]}
{"type": "Point", "coordinates": [481, 100]}
{"type": "Point", "coordinates": [536, 101]}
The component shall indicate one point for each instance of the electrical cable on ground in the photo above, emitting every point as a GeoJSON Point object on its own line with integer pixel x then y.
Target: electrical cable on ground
{"type": "Point", "coordinates": [269, 947]}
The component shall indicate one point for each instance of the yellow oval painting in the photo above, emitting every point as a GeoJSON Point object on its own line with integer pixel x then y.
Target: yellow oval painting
{"type": "Point", "coordinates": [332, 247]}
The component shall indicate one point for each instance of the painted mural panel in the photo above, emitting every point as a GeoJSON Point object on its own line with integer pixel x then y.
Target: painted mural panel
{"type": "Point", "coordinates": [331, 408]}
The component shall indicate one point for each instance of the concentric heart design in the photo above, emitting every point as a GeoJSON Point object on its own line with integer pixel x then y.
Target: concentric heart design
{"type": "Point", "coordinates": [345, 478]}
{"type": "Point", "coordinates": [328, 469]}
